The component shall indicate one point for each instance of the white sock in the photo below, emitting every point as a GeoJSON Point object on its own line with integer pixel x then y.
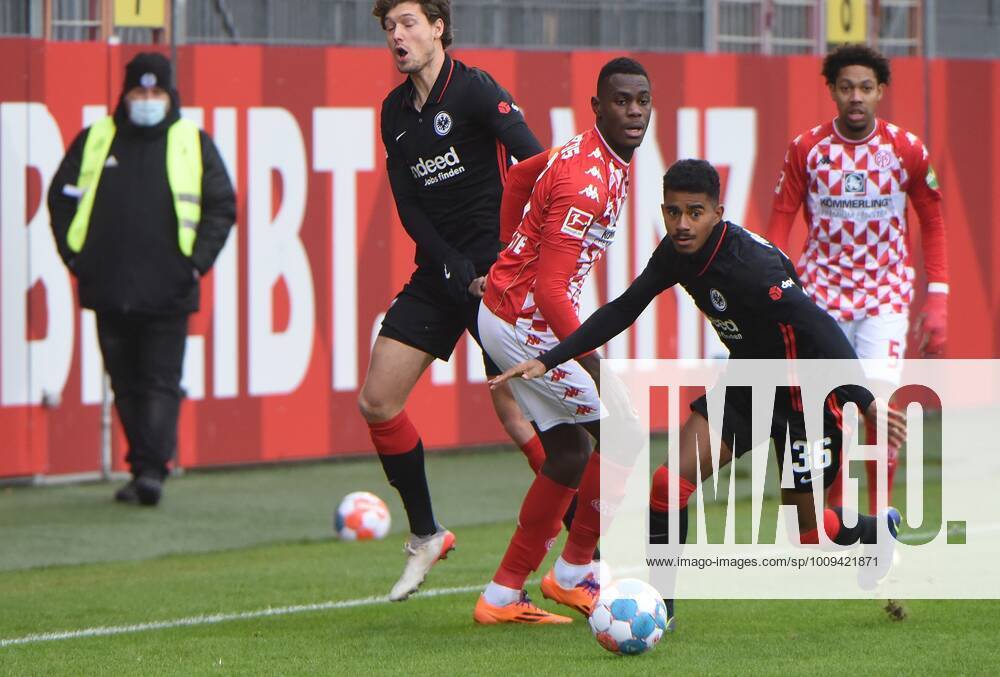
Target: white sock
{"type": "Point", "coordinates": [569, 575]}
{"type": "Point", "coordinates": [499, 595]}
{"type": "Point", "coordinates": [601, 571]}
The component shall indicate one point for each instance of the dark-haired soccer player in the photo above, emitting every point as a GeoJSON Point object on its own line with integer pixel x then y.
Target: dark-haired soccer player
{"type": "Point", "coordinates": [531, 301]}
{"type": "Point", "coordinates": [853, 175]}
{"type": "Point", "coordinates": [749, 291]}
{"type": "Point", "coordinates": [448, 131]}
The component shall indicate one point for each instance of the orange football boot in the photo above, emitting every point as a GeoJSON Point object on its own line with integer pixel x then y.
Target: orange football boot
{"type": "Point", "coordinates": [521, 611]}
{"type": "Point", "coordinates": [581, 597]}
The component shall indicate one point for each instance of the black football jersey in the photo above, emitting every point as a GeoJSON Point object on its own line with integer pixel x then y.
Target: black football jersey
{"type": "Point", "coordinates": [447, 162]}
{"type": "Point", "coordinates": [745, 286]}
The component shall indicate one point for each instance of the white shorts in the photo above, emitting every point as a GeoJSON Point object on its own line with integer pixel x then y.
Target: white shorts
{"type": "Point", "coordinates": [881, 338]}
{"type": "Point", "coordinates": [565, 394]}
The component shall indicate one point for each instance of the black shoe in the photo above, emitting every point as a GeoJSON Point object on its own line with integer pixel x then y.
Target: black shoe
{"type": "Point", "coordinates": [148, 489]}
{"type": "Point", "coordinates": [127, 494]}
{"type": "Point", "coordinates": [142, 490]}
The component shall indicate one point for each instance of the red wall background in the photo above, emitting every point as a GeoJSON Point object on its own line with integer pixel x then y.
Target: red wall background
{"type": "Point", "coordinates": [932, 99]}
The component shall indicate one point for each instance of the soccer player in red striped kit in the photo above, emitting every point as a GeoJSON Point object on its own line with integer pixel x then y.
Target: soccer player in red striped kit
{"type": "Point", "coordinates": [853, 177]}
{"type": "Point", "coordinates": [530, 303]}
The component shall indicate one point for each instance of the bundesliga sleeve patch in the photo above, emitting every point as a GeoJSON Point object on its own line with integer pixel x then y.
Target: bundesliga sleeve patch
{"type": "Point", "coordinates": [576, 223]}
{"type": "Point", "coordinates": [932, 180]}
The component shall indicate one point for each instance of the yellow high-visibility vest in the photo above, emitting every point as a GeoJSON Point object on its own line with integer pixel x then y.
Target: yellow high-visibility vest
{"type": "Point", "coordinates": [184, 172]}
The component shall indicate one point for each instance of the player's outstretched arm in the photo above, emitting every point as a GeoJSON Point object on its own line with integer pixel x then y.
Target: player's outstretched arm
{"type": "Point", "coordinates": [527, 370]}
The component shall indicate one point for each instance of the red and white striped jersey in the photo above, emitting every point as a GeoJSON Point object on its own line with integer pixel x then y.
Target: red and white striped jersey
{"type": "Point", "coordinates": [569, 221]}
{"type": "Point", "coordinates": [856, 260]}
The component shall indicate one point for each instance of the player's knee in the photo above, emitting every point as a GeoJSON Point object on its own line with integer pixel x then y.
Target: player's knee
{"type": "Point", "coordinates": [567, 465]}
{"type": "Point", "coordinates": [375, 408]}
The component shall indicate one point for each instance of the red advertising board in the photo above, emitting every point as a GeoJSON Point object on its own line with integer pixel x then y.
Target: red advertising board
{"type": "Point", "coordinates": [280, 347]}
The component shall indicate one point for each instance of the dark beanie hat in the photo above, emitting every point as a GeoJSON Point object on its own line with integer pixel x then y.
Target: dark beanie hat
{"type": "Point", "coordinates": [148, 69]}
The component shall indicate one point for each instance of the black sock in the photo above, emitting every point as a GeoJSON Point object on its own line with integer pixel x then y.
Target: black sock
{"type": "Point", "coordinates": [570, 512]}
{"type": "Point", "coordinates": [406, 473]}
{"type": "Point", "coordinates": [659, 522]}
{"type": "Point", "coordinates": [866, 530]}
{"type": "Point", "coordinates": [659, 532]}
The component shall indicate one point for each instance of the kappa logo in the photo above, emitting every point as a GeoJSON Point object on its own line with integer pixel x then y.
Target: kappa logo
{"type": "Point", "coordinates": [442, 123]}
{"type": "Point", "coordinates": [595, 172]}
{"type": "Point", "coordinates": [596, 153]}
{"type": "Point", "coordinates": [855, 182]}
{"type": "Point", "coordinates": [572, 391]}
{"type": "Point", "coordinates": [583, 410]}
{"type": "Point", "coordinates": [717, 299]}
{"type": "Point", "coordinates": [591, 192]}
{"type": "Point", "coordinates": [825, 160]}
{"type": "Point", "coordinates": [577, 222]}
{"type": "Point", "coordinates": [558, 374]}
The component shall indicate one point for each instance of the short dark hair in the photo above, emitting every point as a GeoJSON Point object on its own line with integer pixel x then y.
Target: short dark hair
{"type": "Point", "coordinates": [692, 176]}
{"type": "Point", "coordinates": [432, 9]}
{"type": "Point", "coordinates": [620, 66]}
{"type": "Point", "coordinates": [855, 55]}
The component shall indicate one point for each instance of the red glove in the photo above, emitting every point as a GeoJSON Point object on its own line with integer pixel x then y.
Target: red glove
{"type": "Point", "coordinates": [932, 325]}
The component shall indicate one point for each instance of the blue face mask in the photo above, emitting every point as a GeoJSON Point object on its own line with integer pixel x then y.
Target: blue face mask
{"type": "Point", "coordinates": [147, 112]}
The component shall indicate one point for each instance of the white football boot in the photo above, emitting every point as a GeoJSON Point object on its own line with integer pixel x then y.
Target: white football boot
{"type": "Point", "coordinates": [421, 554]}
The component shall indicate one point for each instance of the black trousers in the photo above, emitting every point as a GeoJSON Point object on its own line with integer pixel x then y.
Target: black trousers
{"type": "Point", "coordinates": [144, 355]}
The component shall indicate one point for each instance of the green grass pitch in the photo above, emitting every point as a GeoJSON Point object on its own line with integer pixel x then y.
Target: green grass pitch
{"type": "Point", "coordinates": [226, 543]}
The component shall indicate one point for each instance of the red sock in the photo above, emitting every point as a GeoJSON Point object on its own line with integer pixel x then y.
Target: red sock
{"type": "Point", "coordinates": [395, 436]}
{"type": "Point", "coordinates": [871, 468]}
{"type": "Point", "coordinates": [659, 496]}
{"type": "Point", "coordinates": [537, 526]}
{"type": "Point", "coordinates": [585, 531]}
{"type": "Point", "coordinates": [831, 524]}
{"type": "Point", "coordinates": [535, 453]}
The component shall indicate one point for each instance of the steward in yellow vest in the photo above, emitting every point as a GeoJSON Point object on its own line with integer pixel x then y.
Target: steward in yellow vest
{"type": "Point", "coordinates": [141, 206]}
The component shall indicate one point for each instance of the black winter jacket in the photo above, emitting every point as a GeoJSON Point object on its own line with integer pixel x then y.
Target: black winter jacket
{"type": "Point", "coordinates": [131, 259]}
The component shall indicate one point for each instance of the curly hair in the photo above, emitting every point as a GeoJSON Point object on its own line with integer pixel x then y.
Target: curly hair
{"type": "Point", "coordinates": [692, 176]}
{"type": "Point", "coordinates": [432, 9]}
{"type": "Point", "coordinates": [855, 55]}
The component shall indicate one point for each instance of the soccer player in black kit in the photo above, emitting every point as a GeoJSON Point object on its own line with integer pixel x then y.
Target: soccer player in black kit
{"type": "Point", "coordinates": [449, 131]}
{"type": "Point", "coordinates": [750, 293]}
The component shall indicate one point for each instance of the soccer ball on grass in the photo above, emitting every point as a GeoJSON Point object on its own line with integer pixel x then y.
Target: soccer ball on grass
{"type": "Point", "coordinates": [629, 618]}
{"type": "Point", "coordinates": [361, 516]}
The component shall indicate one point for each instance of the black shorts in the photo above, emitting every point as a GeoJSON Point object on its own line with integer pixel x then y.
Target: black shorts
{"type": "Point", "coordinates": [788, 420]}
{"type": "Point", "coordinates": [425, 316]}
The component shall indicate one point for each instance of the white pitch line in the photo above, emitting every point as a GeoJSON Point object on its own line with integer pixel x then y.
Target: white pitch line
{"type": "Point", "coordinates": [212, 619]}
